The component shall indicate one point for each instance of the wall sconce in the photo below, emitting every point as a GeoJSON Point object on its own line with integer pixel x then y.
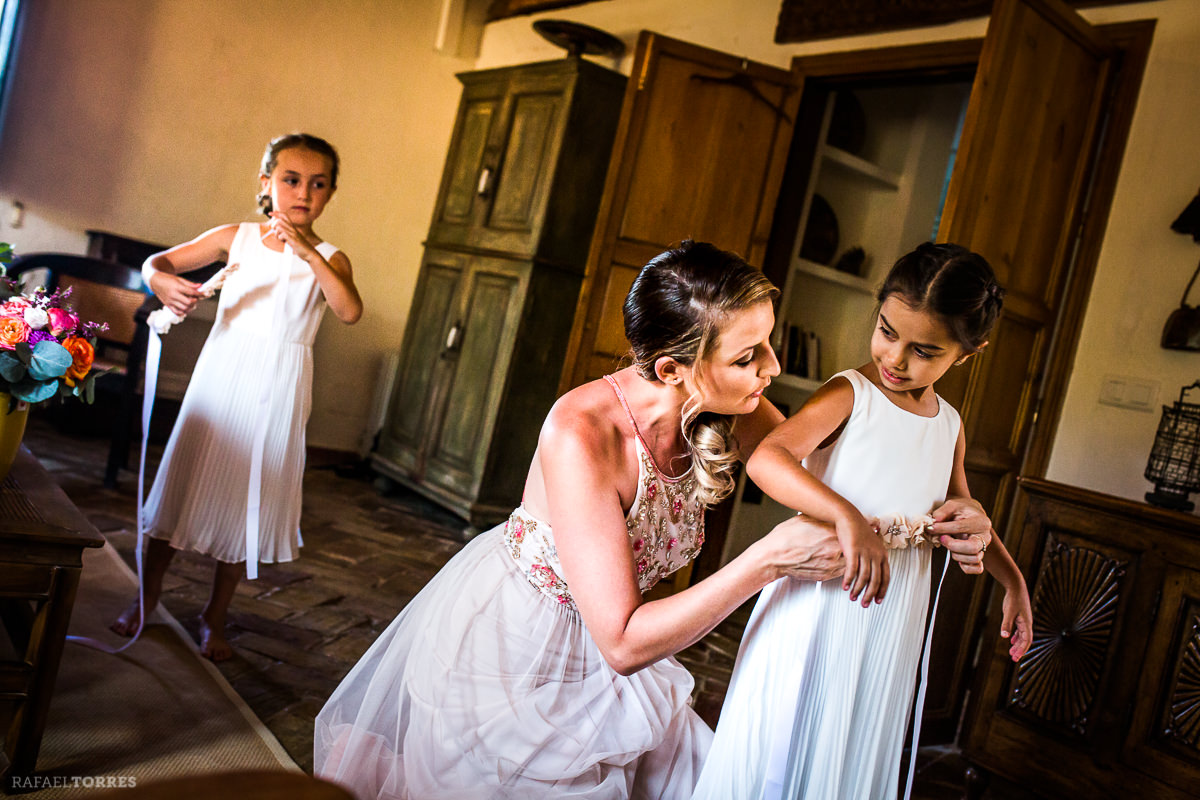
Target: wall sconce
{"type": "Point", "coordinates": [1174, 465]}
{"type": "Point", "coordinates": [1182, 331]}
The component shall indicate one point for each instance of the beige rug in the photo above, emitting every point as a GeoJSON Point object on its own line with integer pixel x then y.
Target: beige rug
{"type": "Point", "coordinates": [157, 710]}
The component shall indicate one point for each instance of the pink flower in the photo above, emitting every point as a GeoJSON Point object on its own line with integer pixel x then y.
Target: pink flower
{"type": "Point", "coordinates": [62, 321]}
{"type": "Point", "coordinates": [642, 565]}
{"type": "Point", "coordinates": [677, 506]}
{"type": "Point", "coordinates": [652, 490]}
{"type": "Point", "coordinates": [672, 542]}
{"type": "Point", "coordinates": [15, 307]}
{"type": "Point", "coordinates": [638, 545]}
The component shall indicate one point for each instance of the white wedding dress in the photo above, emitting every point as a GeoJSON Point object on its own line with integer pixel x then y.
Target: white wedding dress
{"type": "Point", "coordinates": [822, 687]}
{"type": "Point", "coordinates": [488, 685]}
{"type": "Point", "coordinates": [267, 317]}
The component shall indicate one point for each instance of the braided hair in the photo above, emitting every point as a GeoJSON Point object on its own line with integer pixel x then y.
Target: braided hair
{"type": "Point", "coordinates": [953, 283]}
{"type": "Point", "coordinates": [277, 145]}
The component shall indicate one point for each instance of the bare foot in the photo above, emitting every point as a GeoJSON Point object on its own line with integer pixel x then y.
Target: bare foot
{"type": "Point", "coordinates": [213, 645]}
{"type": "Point", "coordinates": [127, 623]}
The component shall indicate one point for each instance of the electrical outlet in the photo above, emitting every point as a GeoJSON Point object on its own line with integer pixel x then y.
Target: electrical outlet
{"type": "Point", "coordinates": [1123, 391]}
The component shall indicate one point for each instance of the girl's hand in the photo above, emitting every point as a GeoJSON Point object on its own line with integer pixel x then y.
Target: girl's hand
{"type": "Point", "coordinates": [968, 549]}
{"type": "Point", "coordinates": [802, 548]}
{"type": "Point", "coordinates": [176, 293]}
{"type": "Point", "coordinates": [283, 230]}
{"type": "Point", "coordinates": [867, 569]}
{"type": "Point", "coordinates": [1018, 613]}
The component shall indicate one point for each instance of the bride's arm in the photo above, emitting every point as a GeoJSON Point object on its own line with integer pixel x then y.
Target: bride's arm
{"type": "Point", "coordinates": [582, 463]}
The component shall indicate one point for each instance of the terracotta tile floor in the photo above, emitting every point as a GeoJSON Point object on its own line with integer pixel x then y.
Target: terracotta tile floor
{"type": "Point", "coordinates": [299, 628]}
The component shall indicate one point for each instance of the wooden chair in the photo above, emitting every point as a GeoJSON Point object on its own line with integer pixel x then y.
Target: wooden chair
{"type": "Point", "coordinates": [101, 291]}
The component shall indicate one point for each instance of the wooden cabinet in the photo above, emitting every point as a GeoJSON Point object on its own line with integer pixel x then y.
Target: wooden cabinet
{"type": "Point", "coordinates": [498, 285]}
{"type": "Point", "coordinates": [1104, 704]}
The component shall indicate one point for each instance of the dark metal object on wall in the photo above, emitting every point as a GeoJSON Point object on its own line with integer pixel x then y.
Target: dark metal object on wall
{"type": "Point", "coordinates": [802, 20]}
{"type": "Point", "coordinates": [1174, 465]}
{"type": "Point", "coordinates": [1182, 331]}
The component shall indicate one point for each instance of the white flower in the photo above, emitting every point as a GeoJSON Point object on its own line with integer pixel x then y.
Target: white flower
{"type": "Point", "coordinates": [36, 318]}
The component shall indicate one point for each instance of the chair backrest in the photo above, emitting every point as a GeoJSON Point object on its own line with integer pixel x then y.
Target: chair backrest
{"type": "Point", "coordinates": [101, 291]}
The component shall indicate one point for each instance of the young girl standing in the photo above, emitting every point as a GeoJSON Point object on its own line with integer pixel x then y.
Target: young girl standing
{"type": "Point", "coordinates": [255, 370]}
{"type": "Point", "coordinates": [821, 688]}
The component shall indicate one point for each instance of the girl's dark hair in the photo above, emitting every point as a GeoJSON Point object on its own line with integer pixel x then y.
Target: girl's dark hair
{"type": "Point", "coordinates": [675, 308]}
{"type": "Point", "coordinates": [952, 282]}
{"type": "Point", "coordinates": [286, 142]}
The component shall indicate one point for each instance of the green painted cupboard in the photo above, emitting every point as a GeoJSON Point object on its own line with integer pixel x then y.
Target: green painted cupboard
{"type": "Point", "coordinates": [499, 282]}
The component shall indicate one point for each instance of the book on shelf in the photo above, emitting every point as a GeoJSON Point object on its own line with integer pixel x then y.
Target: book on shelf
{"type": "Point", "coordinates": [799, 352]}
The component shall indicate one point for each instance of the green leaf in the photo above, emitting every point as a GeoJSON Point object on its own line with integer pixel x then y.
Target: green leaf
{"type": "Point", "coordinates": [90, 384]}
{"type": "Point", "coordinates": [11, 368]}
{"type": "Point", "coordinates": [32, 391]}
{"type": "Point", "coordinates": [5, 253]}
{"type": "Point", "coordinates": [24, 351]}
{"type": "Point", "coordinates": [50, 360]}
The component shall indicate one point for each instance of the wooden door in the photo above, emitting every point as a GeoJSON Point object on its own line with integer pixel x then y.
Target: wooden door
{"type": "Point", "coordinates": [478, 353]}
{"type": "Point", "coordinates": [699, 154]}
{"type": "Point", "coordinates": [478, 134]}
{"type": "Point", "coordinates": [1016, 196]}
{"type": "Point", "coordinates": [417, 395]}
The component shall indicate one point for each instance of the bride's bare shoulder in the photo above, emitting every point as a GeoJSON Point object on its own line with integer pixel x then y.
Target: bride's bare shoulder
{"type": "Point", "coordinates": [587, 417]}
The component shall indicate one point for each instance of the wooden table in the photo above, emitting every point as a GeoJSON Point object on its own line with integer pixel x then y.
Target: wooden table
{"type": "Point", "coordinates": [42, 536]}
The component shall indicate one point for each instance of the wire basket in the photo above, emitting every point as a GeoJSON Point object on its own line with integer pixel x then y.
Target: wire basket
{"type": "Point", "coordinates": [1174, 465]}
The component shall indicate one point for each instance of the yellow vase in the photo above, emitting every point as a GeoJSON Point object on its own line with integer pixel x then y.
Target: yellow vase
{"type": "Point", "coordinates": [12, 428]}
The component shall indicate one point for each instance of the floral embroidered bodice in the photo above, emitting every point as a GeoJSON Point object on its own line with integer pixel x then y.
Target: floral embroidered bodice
{"type": "Point", "coordinates": [665, 525]}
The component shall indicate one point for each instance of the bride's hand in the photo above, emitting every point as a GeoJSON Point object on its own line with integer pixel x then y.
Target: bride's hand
{"type": "Point", "coordinates": [802, 548]}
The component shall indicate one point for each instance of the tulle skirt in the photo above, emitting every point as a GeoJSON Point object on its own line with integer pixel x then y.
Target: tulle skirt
{"type": "Point", "coordinates": [821, 691]}
{"type": "Point", "coordinates": [483, 687]}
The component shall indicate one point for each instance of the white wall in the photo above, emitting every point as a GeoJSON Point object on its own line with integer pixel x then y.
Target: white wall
{"type": "Point", "coordinates": [147, 118]}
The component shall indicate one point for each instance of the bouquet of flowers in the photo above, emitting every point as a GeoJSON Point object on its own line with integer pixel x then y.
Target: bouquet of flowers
{"type": "Point", "coordinates": [45, 349]}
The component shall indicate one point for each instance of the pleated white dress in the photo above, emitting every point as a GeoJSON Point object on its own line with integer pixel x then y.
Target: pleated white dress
{"type": "Point", "coordinates": [256, 364]}
{"type": "Point", "coordinates": [488, 685]}
{"type": "Point", "coordinates": [821, 689]}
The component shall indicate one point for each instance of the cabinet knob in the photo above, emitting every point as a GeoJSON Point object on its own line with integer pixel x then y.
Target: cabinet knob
{"type": "Point", "coordinates": [485, 182]}
{"type": "Point", "coordinates": [452, 337]}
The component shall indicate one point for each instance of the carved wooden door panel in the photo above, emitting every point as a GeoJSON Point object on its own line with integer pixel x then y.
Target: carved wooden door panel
{"type": "Point", "coordinates": [1164, 739]}
{"type": "Point", "coordinates": [1016, 197]}
{"type": "Point", "coordinates": [699, 154]}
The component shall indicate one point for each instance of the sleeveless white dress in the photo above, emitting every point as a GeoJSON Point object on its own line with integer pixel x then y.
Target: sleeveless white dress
{"type": "Point", "coordinates": [488, 685]}
{"type": "Point", "coordinates": [268, 313]}
{"type": "Point", "coordinates": [822, 687]}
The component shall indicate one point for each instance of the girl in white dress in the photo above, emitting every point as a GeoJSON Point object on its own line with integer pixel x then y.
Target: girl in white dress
{"type": "Point", "coordinates": [530, 666]}
{"type": "Point", "coordinates": [255, 369]}
{"type": "Point", "coordinates": [821, 689]}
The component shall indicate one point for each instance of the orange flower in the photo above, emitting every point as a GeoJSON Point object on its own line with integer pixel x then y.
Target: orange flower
{"type": "Point", "coordinates": [83, 353]}
{"type": "Point", "coordinates": [13, 331]}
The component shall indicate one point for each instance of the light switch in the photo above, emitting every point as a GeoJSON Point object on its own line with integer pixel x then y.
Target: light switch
{"type": "Point", "coordinates": [1123, 391]}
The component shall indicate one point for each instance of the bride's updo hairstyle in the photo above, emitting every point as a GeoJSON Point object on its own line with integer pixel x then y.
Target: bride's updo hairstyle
{"type": "Point", "coordinates": [676, 308]}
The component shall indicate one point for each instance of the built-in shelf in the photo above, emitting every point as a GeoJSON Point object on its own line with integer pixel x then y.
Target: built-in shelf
{"type": "Point", "coordinates": [796, 382]}
{"type": "Point", "coordinates": [835, 276]}
{"type": "Point", "coordinates": [861, 167]}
